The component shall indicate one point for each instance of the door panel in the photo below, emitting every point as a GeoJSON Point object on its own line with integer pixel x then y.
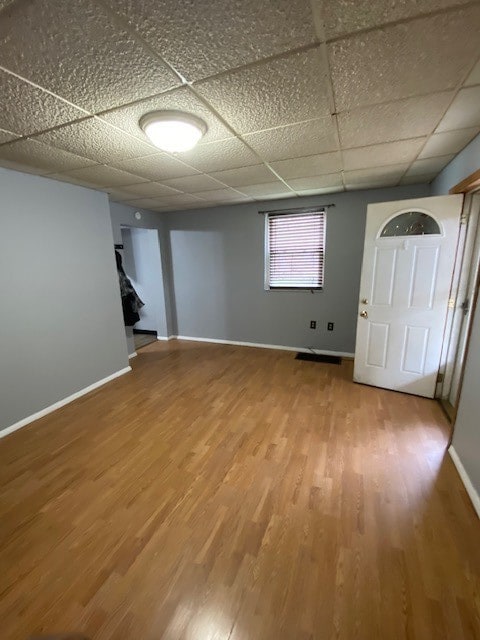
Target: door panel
{"type": "Point", "coordinates": [404, 292]}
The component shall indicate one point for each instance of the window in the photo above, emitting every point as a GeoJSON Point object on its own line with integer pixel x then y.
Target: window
{"type": "Point", "coordinates": [411, 223]}
{"type": "Point", "coordinates": [294, 250]}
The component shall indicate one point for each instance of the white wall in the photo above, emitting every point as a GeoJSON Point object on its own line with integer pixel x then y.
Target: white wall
{"type": "Point", "coordinates": [143, 265]}
{"type": "Point", "coordinates": [61, 320]}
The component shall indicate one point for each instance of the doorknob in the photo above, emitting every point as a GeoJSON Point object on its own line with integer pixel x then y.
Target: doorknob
{"type": "Point", "coordinates": [363, 314]}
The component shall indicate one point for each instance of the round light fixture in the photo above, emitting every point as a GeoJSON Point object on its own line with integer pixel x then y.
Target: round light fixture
{"type": "Point", "coordinates": [173, 130]}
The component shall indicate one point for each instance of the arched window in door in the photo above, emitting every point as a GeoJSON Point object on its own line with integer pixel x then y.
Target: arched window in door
{"type": "Point", "coordinates": [411, 223]}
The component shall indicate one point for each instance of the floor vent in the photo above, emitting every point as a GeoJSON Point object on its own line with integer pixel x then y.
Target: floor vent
{"type": "Point", "coordinates": [318, 357]}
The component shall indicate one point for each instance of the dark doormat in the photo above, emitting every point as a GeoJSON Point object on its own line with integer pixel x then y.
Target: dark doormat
{"type": "Point", "coordinates": [318, 357]}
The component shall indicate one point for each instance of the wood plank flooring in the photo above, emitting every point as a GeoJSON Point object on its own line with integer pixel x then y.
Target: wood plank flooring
{"type": "Point", "coordinates": [231, 493]}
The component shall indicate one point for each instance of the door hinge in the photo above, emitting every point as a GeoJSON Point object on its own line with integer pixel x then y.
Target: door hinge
{"type": "Point", "coordinates": [451, 303]}
{"type": "Point", "coordinates": [440, 377]}
{"type": "Point", "coordinates": [464, 218]}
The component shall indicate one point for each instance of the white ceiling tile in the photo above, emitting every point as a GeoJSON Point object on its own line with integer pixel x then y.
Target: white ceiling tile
{"type": "Point", "coordinates": [271, 94]}
{"type": "Point", "coordinates": [96, 140]}
{"type": "Point", "coordinates": [429, 166]}
{"type": "Point", "coordinates": [254, 174]}
{"type": "Point", "coordinates": [308, 166]}
{"type": "Point", "coordinates": [103, 176]}
{"type": "Point", "coordinates": [463, 112]}
{"type": "Point", "coordinates": [166, 201]}
{"type": "Point", "coordinates": [78, 52]}
{"type": "Point", "coordinates": [156, 167]}
{"type": "Point", "coordinates": [40, 157]}
{"type": "Point", "coordinates": [378, 155]}
{"type": "Point", "coordinates": [425, 179]}
{"type": "Point", "coordinates": [201, 39]}
{"type": "Point", "coordinates": [119, 195]}
{"type": "Point", "coordinates": [320, 191]}
{"type": "Point", "coordinates": [222, 195]}
{"type": "Point", "coordinates": [26, 109]}
{"type": "Point", "coordinates": [375, 176]}
{"type": "Point", "coordinates": [182, 99]}
{"type": "Point", "coordinates": [194, 184]}
{"type": "Point", "coordinates": [268, 190]}
{"type": "Point", "coordinates": [7, 136]}
{"type": "Point", "coordinates": [415, 58]}
{"type": "Point", "coordinates": [293, 141]}
{"type": "Point", "coordinates": [216, 156]}
{"type": "Point", "coordinates": [442, 144]}
{"type": "Point", "coordinates": [150, 190]}
{"type": "Point", "coordinates": [408, 118]}
{"type": "Point", "coordinates": [474, 77]}
{"type": "Point", "coordinates": [348, 16]}
{"type": "Point", "coordinates": [316, 182]}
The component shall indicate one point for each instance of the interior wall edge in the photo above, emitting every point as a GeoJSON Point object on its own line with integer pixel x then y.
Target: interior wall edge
{"type": "Point", "coordinates": [61, 403]}
{"type": "Point", "coordinates": [470, 489]}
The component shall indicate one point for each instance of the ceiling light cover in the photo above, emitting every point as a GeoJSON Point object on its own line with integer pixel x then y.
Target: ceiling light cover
{"type": "Point", "coordinates": [173, 130]}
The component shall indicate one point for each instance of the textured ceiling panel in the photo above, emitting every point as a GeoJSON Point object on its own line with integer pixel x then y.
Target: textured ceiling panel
{"type": "Point", "coordinates": [156, 168]}
{"type": "Point", "coordinates": [216, 156]}
{"type": "Point", "coordinates": [316, 182]}
{"type": "Point", "coordinates": [204, 38]}
{"type": "Point", "coordinates": [464, 111]}
{"type": "Point", "coordinates": [105, 176]}
{"type": "Point", "coordinates": [379, 155]}
{"type": "Point", "coordinates": [428, 165]}
{"type": "Point", "coordinates": [7, 136]}
{"type": "Point", "coordinates": [150, 190]}
{"type": "Point", "coordinates": [255, 174]}
{"type": "Point", "coordinates": [275, 93]}
{"type": "Point", "coordinates": [193, 184]}
{"type": "Point", "coordinates": [166, 201]}
{"type": "Point", "coordinates": [348, 16]}
{"type": "Point", "coordinates": [293, 141]}
{"type": "Point", "coordinates": [375, 176]}
{"type": "Point", "coordinates": [309, 166]}
{"type": "Point", "coordinates": [474, 77]}
{"type": "Point", "coordinates": [424, 56]}
{"type": "Point", "coordinates": [182, 99]}
{"type": "Point", "coordinates": [425, 179]}
{"type": "Point", "coordinates": [75, 50]}
{"type": "Point", "coordinates": [448, 142]}
{"type": "Point", "coordinates": [40, 157]}
{"type": "Point", "coordinates": [119, 195]}
{"type": "Point", "coordinates": [268, 190]}
{"type": "Point", "coordinates": [222, 195]}
{"type": "Point", "coordinates": [409, 118]}
{"type": "Point", "coordinates": [25, 109]}
{"type": "Point", "coordinates": [96, 140]}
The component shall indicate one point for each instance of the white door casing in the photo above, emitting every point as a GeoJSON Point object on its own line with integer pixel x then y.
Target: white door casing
{"type": "Point", "coordinates": [404, 292]}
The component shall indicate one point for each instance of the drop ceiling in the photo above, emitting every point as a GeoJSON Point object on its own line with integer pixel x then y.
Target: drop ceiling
{"type": "Point", "coordinates": [300, 97]}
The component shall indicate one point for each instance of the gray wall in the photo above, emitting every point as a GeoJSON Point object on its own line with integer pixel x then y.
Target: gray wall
{"type": "Point", "coordinates": [217, 267]}
{"type": "Point", "coordinates": [464, 164]}
{"type": "Point", "coordinates": [466, 438]}
{"type": "Point", "coordinates": [61, 326]}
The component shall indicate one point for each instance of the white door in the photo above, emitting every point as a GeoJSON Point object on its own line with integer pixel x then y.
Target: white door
{"type": "Point", "coordinates": [407, 269]}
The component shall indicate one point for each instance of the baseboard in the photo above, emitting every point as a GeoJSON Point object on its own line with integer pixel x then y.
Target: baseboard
{"type": "Point", "coordinates": [166, 337]}
{"type": "Point", "coordinates": [148, 332]}
{"type": "Point", "coordinates": [472, 492]}
{"type": "Point", "coordinates": [259, 345]}
{"type": "Point", "coordinates": [61, 403]}
{"type": "Point", "coordinates": [132, 355]}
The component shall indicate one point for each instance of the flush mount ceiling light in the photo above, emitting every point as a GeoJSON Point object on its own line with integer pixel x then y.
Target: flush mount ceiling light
{"type": "Point", "coordinates": [173, 130]}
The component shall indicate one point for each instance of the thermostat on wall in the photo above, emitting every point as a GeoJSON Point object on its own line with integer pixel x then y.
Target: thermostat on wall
{"type": "Point", "coordinates": [138, 215]}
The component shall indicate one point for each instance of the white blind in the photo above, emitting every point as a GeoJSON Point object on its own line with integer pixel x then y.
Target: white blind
{"type": "Point", "coordinates": [295, 250]}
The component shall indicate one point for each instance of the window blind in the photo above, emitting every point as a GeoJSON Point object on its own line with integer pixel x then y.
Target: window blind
{"type": "Point", "coordinates": [295, 250]}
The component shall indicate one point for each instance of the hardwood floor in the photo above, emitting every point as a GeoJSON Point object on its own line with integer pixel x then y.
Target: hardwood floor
{"type": "Point", "coordinates": [223, 492]}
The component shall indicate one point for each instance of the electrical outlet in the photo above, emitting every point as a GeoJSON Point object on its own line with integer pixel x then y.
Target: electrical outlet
{"type": "Point", "coordinates": [313, 324]}
{"type": "Point", "coordinates": [330, 326]}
